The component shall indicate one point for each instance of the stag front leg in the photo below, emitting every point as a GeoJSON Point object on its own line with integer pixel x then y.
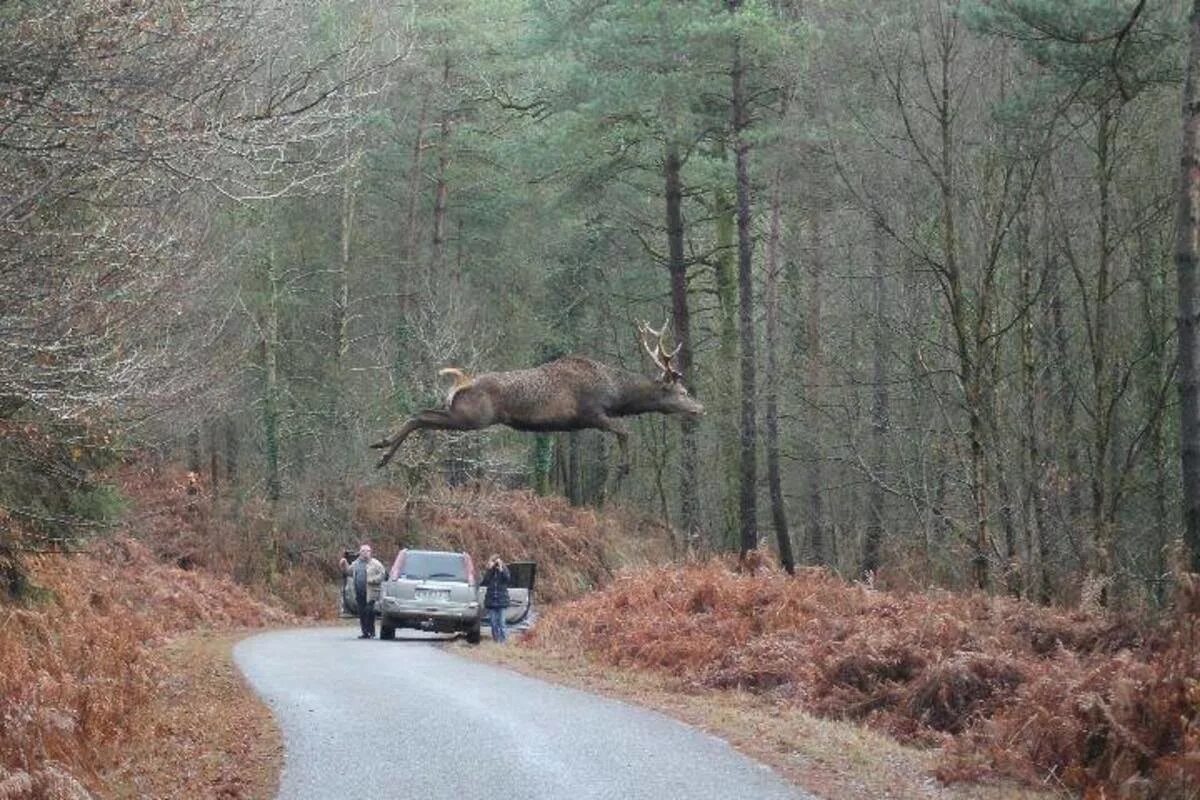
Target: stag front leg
{"type": "Point", "coordinates": [432, 419]}
{"type": "Point", "coordinates": [622, 433]}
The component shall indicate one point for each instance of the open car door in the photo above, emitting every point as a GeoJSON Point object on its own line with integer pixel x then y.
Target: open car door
{"type": "Point", "coordinates": [520, 591]}
{"type": "Point", "coordinates": [348, 605]}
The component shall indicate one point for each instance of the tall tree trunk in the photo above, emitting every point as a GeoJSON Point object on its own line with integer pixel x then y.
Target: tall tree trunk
{"type": "Point", "coordinates": [408, 273]}
{"type": "Point", "coordinates": [1156, 312]}
{"type": "Point", "coordinates": [595, 469]}
{"type": "Point", "coordinates": [1100, 551]}
{"type": "Point", "coordinates": [967, 344]}
{"type": "Point", "coordinates": [559, 474]}
{"type": "Point", "coordinates": [1008, 522]}
{"type": "Point", "coordinates": [1035, 508]}
{"type": "Point", "coordinates": [214, 459]}
{"type": "Point", "coordinates": [346, 218]}
{"type": "Point", "coordinates": [749, 437]}
{"type": "Point", "coordinates": [193, 450]}
{"type": "Point", "coordinates": [231, 453]}
{"type": "Point", "coordinates": [726, 401]}
{"type": "Point", "coordinates": [880, 414]}
{"type": "Point", "coordinates": [442, 187]}
{"type": "Point", "coordinates": [658, 452]}
{"type": "Point", "coordinates": [408, 255]}
{"type": "Point", "coordinates": [271, 377]}
{"type": "Point", "coordinates": [690, 521]}
{"type": "Point", "coordinates": [1065, 391]}
{"type": "Point", "coordinates": [1012, 567]}
{"type": "Point", "coordinates": [1186, 234]}
{"type": "Point", "coordinates": [341, 308]}
{"type": "Point", "coordinates": [574, 469]}
{"type": "Point", "coordinates": [771, 296]}
{"type": "Point", "coordinates": [814, 370]}
{"type": "Point", "coordinates": [689, 498]}
{"type": "Point", "coordinates": [979, 479]}
{"type": "Point", "coordinates": [1162, 523]}
{"type": "Point", "coordinates": [342, 335]}
{"type": "Point", "coordinates": [543, 460]}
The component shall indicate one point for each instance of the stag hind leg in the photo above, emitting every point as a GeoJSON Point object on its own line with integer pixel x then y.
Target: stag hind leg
{"type": "Point", "coordinates": [431, 419]}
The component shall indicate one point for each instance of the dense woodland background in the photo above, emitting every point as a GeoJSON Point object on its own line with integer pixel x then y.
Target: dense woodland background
{"type": "Point", "coordinates": [919, 256]}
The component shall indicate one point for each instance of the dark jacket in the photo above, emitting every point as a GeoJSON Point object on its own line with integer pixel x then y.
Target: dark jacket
{"type": "Point", "coordinates": [496, 581]}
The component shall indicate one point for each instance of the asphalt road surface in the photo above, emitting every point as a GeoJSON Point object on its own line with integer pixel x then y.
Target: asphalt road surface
{"type": "Point", "coordinates": [409, 719]}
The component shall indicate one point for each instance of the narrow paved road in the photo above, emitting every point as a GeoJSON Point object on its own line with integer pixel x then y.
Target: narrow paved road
{"type": "Point", "coordinates": [374, 719]}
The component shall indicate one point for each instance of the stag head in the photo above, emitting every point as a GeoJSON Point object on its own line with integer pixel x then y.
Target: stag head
{"type": "Point", "coordinates": [675, 397]}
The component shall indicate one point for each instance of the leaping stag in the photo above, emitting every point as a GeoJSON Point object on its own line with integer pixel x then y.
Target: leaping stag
{"type": "Point", "coordinates": [567, 394]}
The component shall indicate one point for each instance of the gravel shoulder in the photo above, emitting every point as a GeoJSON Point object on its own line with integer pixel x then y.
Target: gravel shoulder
{"type": "Point", "coordinates": [361, 717]}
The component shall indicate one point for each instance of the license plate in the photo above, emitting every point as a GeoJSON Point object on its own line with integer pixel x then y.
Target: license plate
{"type": "Point", "coordinates": [440, 595]}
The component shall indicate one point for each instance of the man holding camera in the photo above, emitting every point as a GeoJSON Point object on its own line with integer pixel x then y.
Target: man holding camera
{"type": "Point", "coordinates": [496, 580]}
{"type": "Point", "coordinates": [367, 573]}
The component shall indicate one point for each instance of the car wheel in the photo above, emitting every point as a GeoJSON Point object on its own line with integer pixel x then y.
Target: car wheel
{"type": "Point", "coordinates": [387, 632]}
{"type": "Point", "coordinates": [473, 635]}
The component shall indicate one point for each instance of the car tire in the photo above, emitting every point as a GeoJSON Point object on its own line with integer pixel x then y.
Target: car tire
{"type": "Point", "coordinates": [387, 632]}
{"type": "Point", "coordinates": [474, 634]}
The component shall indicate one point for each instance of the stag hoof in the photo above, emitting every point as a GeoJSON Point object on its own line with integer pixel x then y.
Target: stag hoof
{"type": "Point", "coordinates": [623, 471]}
{"type": "Point", "coordinates": [379, 444]}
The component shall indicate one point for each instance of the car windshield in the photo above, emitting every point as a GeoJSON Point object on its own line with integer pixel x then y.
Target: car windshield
{"type": "Point", "coordinates": [419, 565]}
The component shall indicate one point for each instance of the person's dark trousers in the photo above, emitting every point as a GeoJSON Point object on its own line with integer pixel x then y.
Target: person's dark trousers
{"type": "Point", "coordinates": [496, 620]}
{"type": "Point", "coordinates": [366, 615]}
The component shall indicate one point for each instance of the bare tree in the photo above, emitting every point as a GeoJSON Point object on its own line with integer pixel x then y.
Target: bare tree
{"type": "Point", "coordinates": [771, 300]}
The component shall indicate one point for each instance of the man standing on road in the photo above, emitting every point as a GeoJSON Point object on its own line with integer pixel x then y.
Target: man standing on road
{"type": "Point", "coordinates": [496, 579]}
{"type": "Point", "coordinates": [367, 573]}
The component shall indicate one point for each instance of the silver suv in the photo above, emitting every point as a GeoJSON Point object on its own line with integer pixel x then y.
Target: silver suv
{"type": "Point", "coordinates": [439, 591]}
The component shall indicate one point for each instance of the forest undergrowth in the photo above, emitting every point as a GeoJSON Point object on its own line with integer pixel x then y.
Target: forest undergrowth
{"type": "Point", "coordinates": [1086, 701]}
{"type": "Point", "coordinates": [80, 661]}
{"type": "Point", "coordinates": [577, 548]}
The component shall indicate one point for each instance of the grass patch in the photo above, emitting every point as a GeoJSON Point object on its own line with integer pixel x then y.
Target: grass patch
{"type": "Point", "coordinates": [207, 734]}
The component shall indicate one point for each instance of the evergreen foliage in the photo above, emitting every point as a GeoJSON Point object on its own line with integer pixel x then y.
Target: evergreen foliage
{"type": "Point", "coordinates": [972, 351]}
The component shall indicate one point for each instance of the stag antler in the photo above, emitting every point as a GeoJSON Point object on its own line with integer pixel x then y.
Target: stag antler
{"type": "Point", "coordinates": [659, 355]}
{"type": "Point", "coordinates": [643, 329]}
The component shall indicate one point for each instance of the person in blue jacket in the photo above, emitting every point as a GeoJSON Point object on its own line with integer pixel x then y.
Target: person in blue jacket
{"type": "Point", "coordinates": [496, 579]}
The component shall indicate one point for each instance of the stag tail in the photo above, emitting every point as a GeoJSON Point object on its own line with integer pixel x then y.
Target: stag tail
{"type": "Point", "coordinates": [461, 381]}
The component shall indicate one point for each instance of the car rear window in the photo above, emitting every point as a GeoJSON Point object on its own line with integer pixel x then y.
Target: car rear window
{"type": "Point", "coordinates": [436, 566]}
